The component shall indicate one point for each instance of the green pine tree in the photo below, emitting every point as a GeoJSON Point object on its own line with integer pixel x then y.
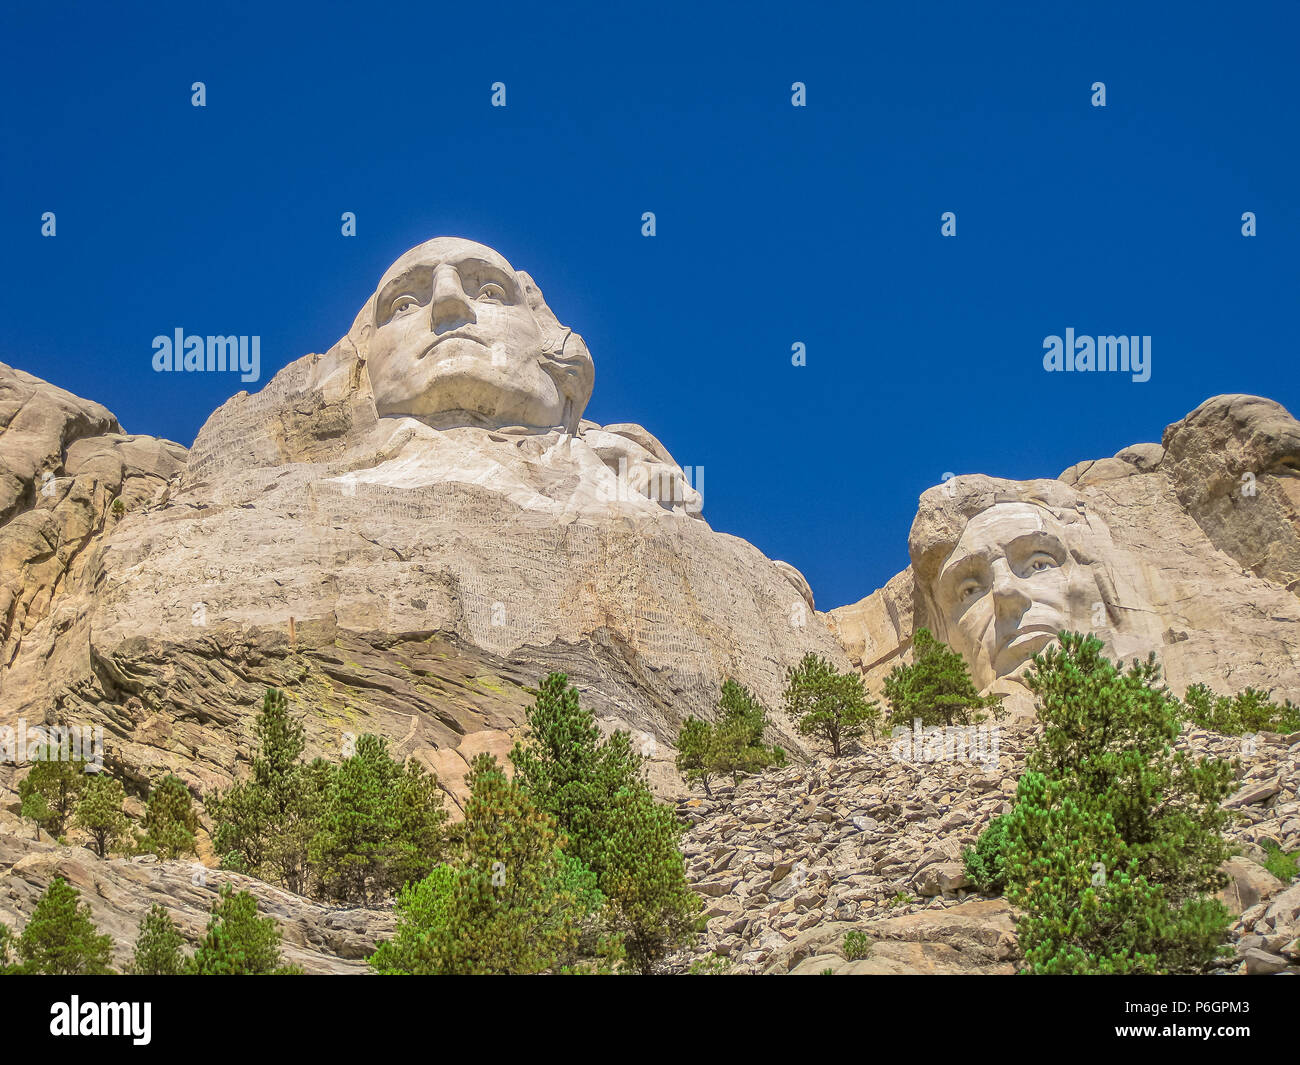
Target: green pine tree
{"type": "Point", "coordinates": [352, 847]}
{"type": "Point", "coordinates": [50, 791]}
{"type": "Point", "coordinates": [596, 792]}
{"type": "Point", "coordinates": [830, 705]}
{"type": "Point", "coordinates": [1114, 844]}
{"type": "Point", "coordinates": [238, 942]}
{"type": "Point", "coordinates": [170, 821]}
{"type": "Point", "coordinates": [424, 925]}
{"type": "Point", "coordinates": [99, 812]}
{"type": "Point", "coordinates": [731, 746]}
{"type": "Point", "coordinates": [653, 907]}
{"type": "Point", "coordinates": [505, 906]}
{"type": "Point", "coordinates": [1247, 711]}
{"type": "Point", "coordinates": [695, 753]}
{"type": "Point", "coordinates": [158, 946]}
{"type": "Point", "coordinates": [738, 747]}
{"type": "Point", "coordinates": [936, 687]}
{"type": "Point", "coordinates": [570, 772]}
{"type": "Point", "coordinates": [61, 938]}
{"type": "Point", "coordinates": [420, 837]}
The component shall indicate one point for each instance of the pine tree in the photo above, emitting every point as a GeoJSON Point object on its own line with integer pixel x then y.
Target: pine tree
{"type": "Point", "coordinates": [733, 745]}
{"type": "Point", "coordinates": [936, 687]}
{"type": "Point", "coordinates": [61, 938]}
{"type": "Point", "coordinates": [419, 840]}
{"type": "Point", "coordinates": [353, 844]}
{"type": "Point", "coordinates": [99, 812]}
{"type": "Point", "coordinates": [424, 916]}
{"type": "Point", "coordinates": [1250, 710]}
{"type": "Point", "coordinates": [695, 753]}
{"type": "Point", "coordinates": [240, 817]}
{"type": "Point", "coordinates": [828, 704]}
{"type": "Point", "coordinates": [50, 791]}
{"type": "Point", "coordinates": [290, 803]}
{"type": "Point", "coordinates": [654, 908]}
{"type": "Point", "coordinates": [570, 772]}
{"type": "Point", "coordinates": [738, 747]}
{"type": "Point", "coordinates": [596, 792]}
{"type": "Point", "coordinates": [503, 907]}
{"type": "Point", "coordinates": [169, 820]}
{"type": "Point", "coordinates": [504, 917]}
{"type": "Point", "coordinates": [1109, 736]}
{"type": "Point", "coordinates": [158, 947]}
{"type": "Point", "coordinates": [238, 942]}
{"type": "Point", "coordinates": [1114, 843]}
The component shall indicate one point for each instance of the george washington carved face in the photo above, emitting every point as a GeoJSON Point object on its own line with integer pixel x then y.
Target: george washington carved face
{"type": "Point", "coordinates": [454, 335]}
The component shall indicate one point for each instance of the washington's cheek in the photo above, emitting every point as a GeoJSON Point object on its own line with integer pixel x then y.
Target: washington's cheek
{"type": "Point", "coordinates": [512, 325]}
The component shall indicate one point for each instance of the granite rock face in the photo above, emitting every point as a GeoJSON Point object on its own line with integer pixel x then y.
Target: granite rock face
{"type": "Point", "coordinates": [404, 533]}
{"type": "Point", "coordinates": [1189, 549]}
{"type": "Point", "coordinates": [791, 861]}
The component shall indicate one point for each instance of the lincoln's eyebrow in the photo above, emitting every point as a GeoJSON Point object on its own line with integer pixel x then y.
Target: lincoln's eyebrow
{"type": "Point", "coordinates": [959, 566]}
{"type": "Point", "coordinates": [1039, 538]}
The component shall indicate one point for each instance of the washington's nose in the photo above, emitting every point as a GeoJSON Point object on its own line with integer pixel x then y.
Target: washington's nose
{"type": "Point", "coordinates": [1009, 598]}
{"type": "Point", "coordinates": [450, 308]}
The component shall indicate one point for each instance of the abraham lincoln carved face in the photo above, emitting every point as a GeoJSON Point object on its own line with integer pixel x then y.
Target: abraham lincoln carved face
{"type": "Point", "coordinates": [454, 335]}
{"type": "Point", "coordinates": [1003, 567]}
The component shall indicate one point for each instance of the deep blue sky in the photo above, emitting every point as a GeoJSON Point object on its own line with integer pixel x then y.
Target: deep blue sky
{"type": "Point", "coordinates": [775, 224]}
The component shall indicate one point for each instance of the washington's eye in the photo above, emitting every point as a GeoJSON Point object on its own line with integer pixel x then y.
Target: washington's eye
{"type": "Point", "coordinates": [403, 303]}
{"type": "Point", "coordinates": [492, 292]}
{"type": "Point", "coordinates": [1041, 562]}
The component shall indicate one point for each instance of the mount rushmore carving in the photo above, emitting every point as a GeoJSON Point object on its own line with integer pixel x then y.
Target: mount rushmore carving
{"type": "Point", "coordinates": [407, 530]}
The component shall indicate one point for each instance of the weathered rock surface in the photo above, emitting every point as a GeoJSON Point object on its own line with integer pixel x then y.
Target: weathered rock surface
{"type": "Point", "coordinates": [792, 860]}
{"type": "Point", "coordinates": [322, 939]}
{"type": "Point", "coordinates": [402, 538]}
{"type": "Point", "coordinates": [1189, 549]}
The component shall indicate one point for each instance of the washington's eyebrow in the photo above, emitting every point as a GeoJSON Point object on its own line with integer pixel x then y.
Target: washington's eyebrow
{"type": "Point", "coordinates": [482, 270]}
{"type": "Point", "coordinates": [413, 280]}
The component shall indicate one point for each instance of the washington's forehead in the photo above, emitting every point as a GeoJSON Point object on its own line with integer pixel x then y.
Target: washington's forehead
{"type": "Point", "coordinates": [446, 250]}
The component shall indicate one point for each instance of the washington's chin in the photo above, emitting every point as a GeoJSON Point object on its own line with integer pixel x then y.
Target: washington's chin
{"type": "Point", "coordinates": [471, 386]}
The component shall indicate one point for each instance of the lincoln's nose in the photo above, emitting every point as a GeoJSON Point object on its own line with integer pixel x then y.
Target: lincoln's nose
{"type": "Point", "coordinates": [450, 307]}
{"type": "Point", "coordinates": [1009, 599]}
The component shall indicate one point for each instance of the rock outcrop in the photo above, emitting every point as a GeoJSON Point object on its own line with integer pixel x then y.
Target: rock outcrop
{"type": "Point", "coordinates": [404, 533]}
{"type": "Point", "coordinates": [793, 860]}
{"type": "Point", "coordinates": [321, 939]}
{"type": "Point", "coordinates": [1189, 549]}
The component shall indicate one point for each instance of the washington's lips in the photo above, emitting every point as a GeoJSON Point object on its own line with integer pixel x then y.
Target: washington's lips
{"type": "Point", "coordinates": [455, 334]}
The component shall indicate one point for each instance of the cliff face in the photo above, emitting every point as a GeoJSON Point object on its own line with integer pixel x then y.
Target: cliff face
{"type": "Point", "coordinates": [415, 582]}
{"type": "Point", "coordinates": [1188, 549]}
{"type": "Point", "coordinates": [391, 577]}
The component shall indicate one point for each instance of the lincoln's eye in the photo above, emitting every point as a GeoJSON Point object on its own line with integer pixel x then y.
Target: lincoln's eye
{"type": "Point", "coordinates": [492, 292]}
{"type": "Point", "coordinates": [968, 591]}
{"type": "Point", "coordinates": [403, 303]}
